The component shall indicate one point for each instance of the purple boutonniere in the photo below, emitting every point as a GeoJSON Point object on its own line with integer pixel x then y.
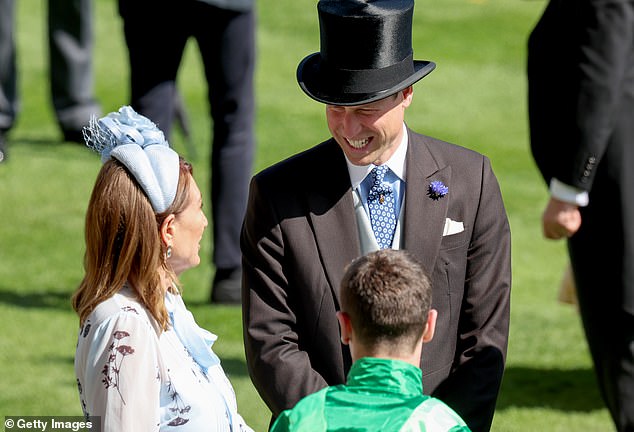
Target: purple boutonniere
{"type": "Point", "coordinates": [437, 190]}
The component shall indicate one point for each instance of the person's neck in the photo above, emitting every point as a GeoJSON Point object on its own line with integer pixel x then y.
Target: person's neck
{"type": "Point", "coordinates": [167, 283]}
{"type": "Point", "coordinates": [412, 358]}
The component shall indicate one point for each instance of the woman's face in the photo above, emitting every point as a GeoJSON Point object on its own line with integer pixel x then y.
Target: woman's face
{"type": "Point", "coordinates": [188, 228]}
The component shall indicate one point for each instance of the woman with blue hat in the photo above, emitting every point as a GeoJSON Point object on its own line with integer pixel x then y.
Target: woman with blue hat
{"type": "Point", "coordinates": [142, 363]}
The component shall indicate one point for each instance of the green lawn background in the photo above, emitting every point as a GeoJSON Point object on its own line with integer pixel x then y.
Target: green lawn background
{"type": "Point", "coordinates": [475, 97]}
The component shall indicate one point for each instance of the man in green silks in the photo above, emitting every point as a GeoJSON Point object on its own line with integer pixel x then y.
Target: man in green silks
{"type": "Point", "coordinates": [385, 318]}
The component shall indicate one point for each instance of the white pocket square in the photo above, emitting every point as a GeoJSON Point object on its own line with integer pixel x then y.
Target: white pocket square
{"type": "Point", "coordinates": [452, 227]}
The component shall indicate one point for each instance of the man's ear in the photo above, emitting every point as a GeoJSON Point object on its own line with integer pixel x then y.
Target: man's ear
{"type": "Point", "coordinates": [167, 230]}
{"type": "Point", "coordinates": [430, 325]}
{"type": "Point", "coordinates": [345, 327]}
{"type": "Point", "coordinates": [408, 95]}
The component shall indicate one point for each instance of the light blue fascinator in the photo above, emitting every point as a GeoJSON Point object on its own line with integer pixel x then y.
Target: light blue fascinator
{"type": "Point", "coordinates": [140, 145]}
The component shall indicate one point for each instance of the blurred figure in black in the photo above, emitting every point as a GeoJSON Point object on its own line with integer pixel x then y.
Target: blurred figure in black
{"type": "Point", "coordinates": [581, 107]}
{"type": "Point", "coordinates": [70, 43]}
{"type": "Point", "coordinates": [156, 32]}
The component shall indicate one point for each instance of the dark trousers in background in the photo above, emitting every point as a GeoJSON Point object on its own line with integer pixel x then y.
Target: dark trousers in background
{"type": "Point", "coordinates": [602, 269]}
{"type": "Point", "coordinates": [156, 33]}
{"type": "Point", "coordinates": [70, 46]}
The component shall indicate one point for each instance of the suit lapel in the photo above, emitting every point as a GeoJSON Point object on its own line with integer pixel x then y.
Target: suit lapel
{"type": "Point", "coordinates": [331, 211]}
{"type": "Point", "coordinates": [424, 216]}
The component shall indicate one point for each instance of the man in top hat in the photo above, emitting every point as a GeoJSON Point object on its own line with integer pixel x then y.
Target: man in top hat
{"type": "Point", "coordinates": [375, 184]}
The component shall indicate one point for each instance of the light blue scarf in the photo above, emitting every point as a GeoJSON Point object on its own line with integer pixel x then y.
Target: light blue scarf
{"type": "Point", "coordinates": [196, 340]}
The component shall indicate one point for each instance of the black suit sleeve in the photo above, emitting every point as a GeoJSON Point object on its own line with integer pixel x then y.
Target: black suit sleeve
{"type": "Point", "coordinates": [605, 47]}
{"type": "Point", "coordinates": [578, 61]}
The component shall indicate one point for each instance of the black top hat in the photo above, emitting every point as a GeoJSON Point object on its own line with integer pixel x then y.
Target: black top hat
{"type": "Point", "coordinates": [365, 52]}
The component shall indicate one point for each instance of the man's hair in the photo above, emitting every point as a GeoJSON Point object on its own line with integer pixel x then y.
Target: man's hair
{"type": "Point", "coordinates": [387, 295]}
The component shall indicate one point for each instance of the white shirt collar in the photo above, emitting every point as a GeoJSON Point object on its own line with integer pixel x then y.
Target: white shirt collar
{"type": "Point", "coordinates": [396, 163]}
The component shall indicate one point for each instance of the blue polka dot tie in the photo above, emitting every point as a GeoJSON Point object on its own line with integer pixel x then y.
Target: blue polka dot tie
{"type": "Point", "coordinates": [381, 207]}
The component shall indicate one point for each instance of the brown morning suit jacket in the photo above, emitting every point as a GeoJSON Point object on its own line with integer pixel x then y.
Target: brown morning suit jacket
{"type": "Point", "coordinates": [300, 232]}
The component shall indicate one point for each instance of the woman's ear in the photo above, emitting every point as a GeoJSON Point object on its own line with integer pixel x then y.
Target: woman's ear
{"type": "Point", "coordinates": [167, 230]}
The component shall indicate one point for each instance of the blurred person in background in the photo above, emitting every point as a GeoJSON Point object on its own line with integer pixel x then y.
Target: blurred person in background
{"type": "Point", "coordinates": [156, 33]}
{"type": "Point", "coordinates": [581, 112]}
{"type": "Point", "coordinates": [70, 50]}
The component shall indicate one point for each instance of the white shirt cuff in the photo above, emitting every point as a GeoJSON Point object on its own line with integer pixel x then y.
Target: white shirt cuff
{"type": "Point", "coordinates": [569, 194]}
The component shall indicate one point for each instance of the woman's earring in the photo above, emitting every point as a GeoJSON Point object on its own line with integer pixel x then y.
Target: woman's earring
{"type": "Point", "coordinates": [168, 253]}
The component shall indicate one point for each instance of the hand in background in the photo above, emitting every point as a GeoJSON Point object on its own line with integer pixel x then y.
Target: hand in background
{"type": "Point", "coordinates": [560, 219]}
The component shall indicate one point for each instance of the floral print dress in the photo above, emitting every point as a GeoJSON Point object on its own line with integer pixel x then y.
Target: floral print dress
{"type": "Point", "coordinates": [138, 378]}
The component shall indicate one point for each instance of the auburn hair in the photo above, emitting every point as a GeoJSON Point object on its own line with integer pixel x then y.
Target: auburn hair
{"type": "Point", "coordinates": [123, 243]}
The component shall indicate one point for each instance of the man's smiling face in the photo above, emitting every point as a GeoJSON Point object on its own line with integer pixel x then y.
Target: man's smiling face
{"type": "Point", "coordinates": [370, 133]}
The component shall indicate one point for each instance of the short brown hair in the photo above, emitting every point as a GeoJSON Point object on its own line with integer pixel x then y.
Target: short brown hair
{"type": "Point", "coordinates": [387, 295]}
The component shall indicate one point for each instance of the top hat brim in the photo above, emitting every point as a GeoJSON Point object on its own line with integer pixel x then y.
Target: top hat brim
{"type": "Point", "coordinates": [315, 83]}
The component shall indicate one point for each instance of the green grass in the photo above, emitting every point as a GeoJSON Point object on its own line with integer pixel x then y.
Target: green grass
{"type": "Point", "coordinates": [475, 98]}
